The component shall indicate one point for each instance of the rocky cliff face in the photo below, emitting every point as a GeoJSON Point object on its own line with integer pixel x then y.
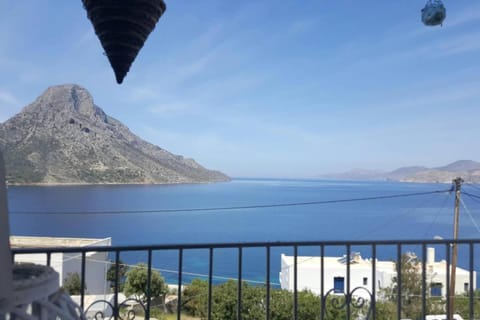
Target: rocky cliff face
{"type": "Point", "coordinates": [63, 137]}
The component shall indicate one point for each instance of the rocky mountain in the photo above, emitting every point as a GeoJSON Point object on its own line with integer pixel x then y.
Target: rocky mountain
{"type": "Point", "coordinates": [467, 169]}
{"type": "Point", "coordinates": [64, 138]}
{"type": "Point", "coordinates": [461, 166]}
{"type": "Point", "coordinates": [400, 173]}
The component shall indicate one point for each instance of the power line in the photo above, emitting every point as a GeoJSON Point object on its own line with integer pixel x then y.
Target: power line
{"type": "Point", "coordinates": [473, 186]}
{"type": "Point", "coordinates": [405, 212]}
{"type": "Point", "coordinates": [472, 196]}
{"type": "Point", "coordinates": [436, 215]}
{"type": "Point", "coordinates": [261, 206]}
{"type": "Point", "coordinates": [470, 215]}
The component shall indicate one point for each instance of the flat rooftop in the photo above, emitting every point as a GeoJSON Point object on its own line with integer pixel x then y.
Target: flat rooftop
{"type": "Point", "coordinates": [50, 242]}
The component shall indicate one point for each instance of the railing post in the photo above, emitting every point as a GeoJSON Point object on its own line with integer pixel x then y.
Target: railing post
{"type": "Point", "coordinates": [347, 295]}
{"type": "Point", "coordinates": [374, 281]}
{"type": "Point", "coordinates": [239, 287]}
{"type": "Point", "coordinates": [6, 278]}
{"type": "Point", "coordinates": [267, 301]}
{"type": "Point", "coordinates": [117, 281]}
{"type": "Point", "coordinates": [424, 280]}
{"type": "Point", "coordinates": [82, 281]}
{"type": "Point", "coordinates": [149, 284]}
{"type": "Point", "coordinates": [210, 276]}
{"type": "Point", "coordinates": [322, 282]}
{"type": "Point", "coordinates": [447, 293]}
{"type": "Point", "coordinates": [471, 280]}
{"type": "Point", "coordinates": [295, 282]}
{"type": "Point", "coordinates": [180, 280]}
{"type": "Point", "coordinates": [399, 281]}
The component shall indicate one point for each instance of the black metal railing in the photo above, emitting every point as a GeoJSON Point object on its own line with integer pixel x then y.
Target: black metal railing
{"type": "Point", "coordinates": [402, 298]}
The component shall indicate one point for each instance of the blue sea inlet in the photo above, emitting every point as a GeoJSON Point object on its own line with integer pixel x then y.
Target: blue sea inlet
{"type": "Point", "coordinates": [128, 215]}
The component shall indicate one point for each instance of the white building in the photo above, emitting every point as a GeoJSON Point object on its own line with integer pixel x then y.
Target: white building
{"type": "Point", "coordinates": [335, 274]}
{"type": "Point", "coordinates": [96, 264]}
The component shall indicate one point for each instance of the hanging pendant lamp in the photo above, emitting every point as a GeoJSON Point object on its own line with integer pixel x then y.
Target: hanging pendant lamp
{"type": "Point", "coordinates": [122, 27]}
{"type": "Point", "coordinates": [433, 13]}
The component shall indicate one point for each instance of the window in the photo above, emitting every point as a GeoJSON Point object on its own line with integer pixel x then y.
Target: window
{"type": "Point", "coordinates": [338, 284]}
{"type": "Point", "coordinates": [436, 290]}
{"type": "Point", "coordinates": [365, 281]}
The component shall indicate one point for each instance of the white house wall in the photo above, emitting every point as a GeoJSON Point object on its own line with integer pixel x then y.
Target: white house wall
{"type": "Point", "coordinates": [309, 275]}
{"type": "Point", "coordinates": [309, 278]}
{"type": "Point", "coordinates": [96, 266]}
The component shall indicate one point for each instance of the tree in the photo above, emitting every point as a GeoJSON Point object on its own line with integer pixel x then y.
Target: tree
{"type": "Point", "coordinates": [122, 272]}
{"type": "Point", "coordinates": [137, 283]}
{"type": "Point", "coordinates": [411, 289]}
{"type": "Point", "coordinates": [72, 284]}
{"type": "Point", "coordinates": [194, 299]}
{"type": "Point", "coordinates": [411, 294]}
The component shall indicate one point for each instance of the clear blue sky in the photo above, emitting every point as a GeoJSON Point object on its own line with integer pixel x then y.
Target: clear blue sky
{"type": "Point", "coordinates": [269, 88]}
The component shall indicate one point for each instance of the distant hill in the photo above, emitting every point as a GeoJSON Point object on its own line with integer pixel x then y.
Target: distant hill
{"type": "Point", "coordinates": [356, 174]}
{"type": "Point", "coordinates": [64, 138]}
{"type": "Point", "coordinates": [461, 166]}
{"type": "Point", "coordinates": [467, 169]}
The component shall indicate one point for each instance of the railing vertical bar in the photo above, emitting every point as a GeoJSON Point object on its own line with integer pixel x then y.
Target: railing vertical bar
{"type": "Point", "coordinates": [117, 283]}
{"type": "Point", "coordinates": [239, 284]}
{"type": "Point", "coordinates": [49, 258]}
{"type": "Point", "coordinates": [447, 293]}
{"type": "Point", "coordinates": [82, 281]}
{"type": "Point", "coordinates": [267, 304]}
{"type": "Point", "coordinates": [149, 283]}
{"type": "Point", "coordinates": [210, 278]}
{"type": "Point", "coordinates": [295, 282]}
{"type": "Point", "coordinates": [374, 281]}
{"type": "Point", "coordinates": [347, 295]}
{"type": "Point", "coordinates": [470, 281]}
{"type": "Point", "coordinates": [180, 280]}
{"type": "Point", "coordinates": [399, 281]}
{"type": "Point", "coordinates": [424, 280]}
{"type": "Point", "coordinates": [322, 278]}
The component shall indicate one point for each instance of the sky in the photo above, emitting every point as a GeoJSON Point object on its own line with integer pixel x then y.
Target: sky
{"type": "Point", "coordinates": [263, 88]}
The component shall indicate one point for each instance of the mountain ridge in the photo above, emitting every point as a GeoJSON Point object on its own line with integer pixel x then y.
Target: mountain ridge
{"type": "Point", "coordinates": [64, 138]}
{"type": "Point", "coordinates": [469, 170]}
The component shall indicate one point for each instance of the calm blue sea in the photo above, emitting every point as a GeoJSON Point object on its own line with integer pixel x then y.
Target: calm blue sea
{"type": "Point", "coordinates": [421, 217]}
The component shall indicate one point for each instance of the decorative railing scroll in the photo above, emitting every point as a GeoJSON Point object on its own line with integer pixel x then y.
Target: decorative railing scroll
{"type": "Point", "coordinates": [348, 301]}
{"type": "Point", "coordinates": [110, 311]}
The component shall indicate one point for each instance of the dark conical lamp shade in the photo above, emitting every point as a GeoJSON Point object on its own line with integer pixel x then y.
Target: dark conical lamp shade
{"type": "Point", "coordinates": [122, 27]}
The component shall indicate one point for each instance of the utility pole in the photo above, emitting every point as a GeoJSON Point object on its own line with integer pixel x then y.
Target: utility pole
{"type": "Point", "coordinates": [457, 183]}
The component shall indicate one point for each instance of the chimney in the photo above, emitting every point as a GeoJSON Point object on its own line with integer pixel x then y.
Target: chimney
{"type": "Point", "coordinates": [430, 255]}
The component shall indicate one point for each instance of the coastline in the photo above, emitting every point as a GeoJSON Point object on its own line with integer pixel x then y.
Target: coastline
{"type": "Point", "coordinates": [66, 184]}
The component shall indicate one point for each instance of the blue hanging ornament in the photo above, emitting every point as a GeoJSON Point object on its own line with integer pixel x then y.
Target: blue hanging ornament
{"type": "Point", "coordinates": [433, 13]}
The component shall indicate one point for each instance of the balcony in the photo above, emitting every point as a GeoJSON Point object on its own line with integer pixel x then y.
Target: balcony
{"type": "Point", "coordinates": [311, 290]}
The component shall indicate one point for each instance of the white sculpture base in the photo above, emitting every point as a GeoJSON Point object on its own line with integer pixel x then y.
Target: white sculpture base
{"type": "Point", "coordinates": [36, 295]}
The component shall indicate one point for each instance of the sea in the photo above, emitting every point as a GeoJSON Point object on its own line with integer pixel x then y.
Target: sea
{"type": "Point", "coordinates": [162, 214]}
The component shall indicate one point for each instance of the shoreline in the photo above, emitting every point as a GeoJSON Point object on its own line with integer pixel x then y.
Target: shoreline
{"type": "Point", "coordinates": [66, 184]}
